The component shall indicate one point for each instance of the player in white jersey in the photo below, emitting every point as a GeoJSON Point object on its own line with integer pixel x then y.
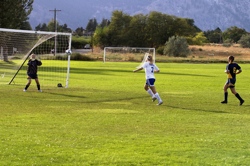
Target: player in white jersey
{"type": "Point", "coordinates": [150, 68]}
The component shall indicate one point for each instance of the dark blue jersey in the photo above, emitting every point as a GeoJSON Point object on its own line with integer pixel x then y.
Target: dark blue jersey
{"type": "Point", "coordinates": [232, 68]}
{"type": "Point", "coordinates": [32, 66]}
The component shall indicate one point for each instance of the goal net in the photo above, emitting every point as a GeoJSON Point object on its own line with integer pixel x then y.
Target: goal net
{"type": "Point", "coordinates": [16, 46]}
{"type": "Point", "coordinates": [131, 54]}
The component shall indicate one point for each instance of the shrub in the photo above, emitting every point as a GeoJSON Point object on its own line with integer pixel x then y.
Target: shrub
{"type": "Point", "coordinates": [177, 47]}
{"type": "Point", "coordinates": [227, 43]}
{"type": "Point", "coordinates": [160, 50]}
{"type": "Point", "coordinates": [245, 41]}
{"type": "Point", "coordinates": [78, 56]}
{"type": "Point", "coordinates": [60, 57]}
{"type": "Point", "coordinates": [79, 42]}
{"type": "Point", "coordinates": [200, 39]}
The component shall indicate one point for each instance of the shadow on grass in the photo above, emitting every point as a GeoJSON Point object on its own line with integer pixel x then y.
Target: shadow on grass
{"type": "Point", "coordinates": [103, 71]}
{"type": "Point", "coordinates": [109, 71]}
{"type": "Point", "coordinates": [66, 95]}
{"type": "Point", "coordinates": [74, 70]}
{"type": "Point", "coordinates": [98, 71]}
{"type": "Point", "coordinates": [132, 98]}
{"type": "Point", "coordinates": [197, 109]}
{"type": "Point", "coordinates": [96, 100]}
{"type": "Point", "coordinates": [186, 74]}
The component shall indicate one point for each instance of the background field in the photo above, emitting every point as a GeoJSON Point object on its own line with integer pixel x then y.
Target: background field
{"type": "Point", "coordinates": [209, 53]}
{"type": "Point", "coordinates": [106, 118]}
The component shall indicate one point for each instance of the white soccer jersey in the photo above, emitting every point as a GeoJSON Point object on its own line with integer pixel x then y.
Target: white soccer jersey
{"type": "Point", "coordinates": [149, 70]}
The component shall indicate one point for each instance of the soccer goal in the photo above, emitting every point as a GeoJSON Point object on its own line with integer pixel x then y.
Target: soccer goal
{"type": "Point", "coordinates": [16, 46]}
{"type": "Point", "coordinates": [132, 54]}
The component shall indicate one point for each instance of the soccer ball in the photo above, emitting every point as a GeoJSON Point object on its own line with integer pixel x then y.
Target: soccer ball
{"type": "Point", "coordinates": [68, 51]}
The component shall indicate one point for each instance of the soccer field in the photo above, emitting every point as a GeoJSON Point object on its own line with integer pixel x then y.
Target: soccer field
{"type": "Point", "coordinates": [105, 117]}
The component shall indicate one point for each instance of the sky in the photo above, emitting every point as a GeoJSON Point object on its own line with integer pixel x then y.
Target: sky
{"type": "Point", "coordinates": [70, 13]}
{"type": "Point", "coordinates": [76, 13]}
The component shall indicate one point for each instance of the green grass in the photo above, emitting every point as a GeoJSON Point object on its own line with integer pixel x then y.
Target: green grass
{"type": "Point", "coordinates": [106, 118]}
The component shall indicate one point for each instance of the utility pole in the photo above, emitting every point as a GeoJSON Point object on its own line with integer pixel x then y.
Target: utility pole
{"type": "Point", "coordinates": [55, 22]}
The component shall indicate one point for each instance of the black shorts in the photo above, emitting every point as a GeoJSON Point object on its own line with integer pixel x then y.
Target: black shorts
{"type": "Point", "coordinates": [33, 76]}
{"type": "Point", "coordinates": [231, 82]}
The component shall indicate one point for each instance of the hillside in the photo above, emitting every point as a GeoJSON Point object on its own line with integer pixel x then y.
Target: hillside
{"type": "Point", "coordinates": [207, 14]}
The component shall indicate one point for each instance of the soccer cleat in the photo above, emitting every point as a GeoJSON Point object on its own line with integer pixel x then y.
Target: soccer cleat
{"type": "Point", "coordinates": [24, 90]}
{"type": "Point", "coordinates": [40, 90]}
{"type": "Point", "coordinates": [241, 102]}
{"type": "Point", "coordinates": [223, 102]}
{"type": "Point", "coordinates": [160, 103]}
{"type": "Point", "coordinates": [153, 99]}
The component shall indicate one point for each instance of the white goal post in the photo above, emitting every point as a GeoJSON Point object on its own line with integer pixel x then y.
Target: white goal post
{"type": "Point", "coordinates": [127, 54]}
{"type": "Point", "coordinates": [17, 45]}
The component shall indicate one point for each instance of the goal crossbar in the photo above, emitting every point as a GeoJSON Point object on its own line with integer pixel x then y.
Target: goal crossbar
{"type": "Point", "coordinates": [35, 32]}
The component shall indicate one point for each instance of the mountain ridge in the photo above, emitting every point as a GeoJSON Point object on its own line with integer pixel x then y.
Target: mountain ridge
{"type": "Point", "coordinates": [207, 14]}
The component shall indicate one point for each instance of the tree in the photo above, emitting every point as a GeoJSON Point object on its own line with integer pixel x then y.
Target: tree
{"type": "Point", "coordinates": [41, 27]}
{"type": "Point", "coordinates": [14, 14]}
{"type": "Point", "coordinates": [118, 29]}
{"type": "Point", "coordinates": [101, 37]}
{"type": "Point", "coordinates": [245, 41]}
{"type": "Point", "coordinates": [184, 27]}
{"type": "Point", "coordinates": [64, 28]}
{"type": "Point", "coordinates": [177, 47]}
{"type": "Point", "coordinates": [137, 30]}
{"type": "Point", "coordinates": [91, 26]}
{"type": "Point", "coordinates": [79, 31]}
{"type": "Point", "coordinates": [214, 36]}
{"type": "Point", "coordinates": [159, 28]}
{"type": "Point", "coordinates": [233, 33]}
{"type": "Point", "coordinates": [26, 26]}
{"type": "Point", "coordinates": [51, 25]}
{"type": "Point", "coordinates": [151, 30]}
{"type": "Point", "coordinates": [162, 26]}
{"type": "Point", "coordinates": [199, 39]}
{"type": "Point", "coordinates": [104, 23]}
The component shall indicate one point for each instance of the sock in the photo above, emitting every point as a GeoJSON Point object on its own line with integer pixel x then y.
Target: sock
{"type": "Point", "coordinates": [38, 86]}
{"type": "Point", "coordinates": [27, 86]}
{"type": "Point", "coordinates": [158, 97]}
{"type": "Point", "coordinates": [225, 96]}
{"type": "Point", "coordinates": [150, 92]}
{"type": "Point", "coordinates": [238, 96]}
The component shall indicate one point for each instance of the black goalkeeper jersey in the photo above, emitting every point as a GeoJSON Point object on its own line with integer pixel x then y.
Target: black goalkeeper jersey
{"type": "Point", "coordinates": [32, 66]}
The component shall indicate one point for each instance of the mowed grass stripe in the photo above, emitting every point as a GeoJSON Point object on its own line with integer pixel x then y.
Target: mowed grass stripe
{"type": "Point", "coordinates": [106, 118]}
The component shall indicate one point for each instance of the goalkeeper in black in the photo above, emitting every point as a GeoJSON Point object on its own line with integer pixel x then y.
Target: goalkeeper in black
{"type": "Point", "coordinates": [32, 72]}
{"type": "Point", "coordinates": [232, 70]}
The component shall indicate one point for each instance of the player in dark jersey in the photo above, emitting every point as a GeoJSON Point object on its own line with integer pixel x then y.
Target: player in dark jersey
{"type": "Point", "coordinates": [232, 70]}
{"type": "Point", "coordinates": [32, 72]}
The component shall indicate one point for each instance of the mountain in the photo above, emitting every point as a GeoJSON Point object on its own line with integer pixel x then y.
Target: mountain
{"type": "Point", "coordinates": [207, 14]}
